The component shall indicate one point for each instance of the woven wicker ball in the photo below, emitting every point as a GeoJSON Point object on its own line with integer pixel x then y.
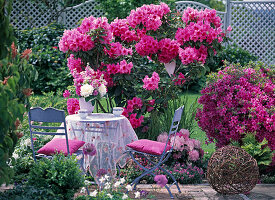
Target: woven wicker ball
{"type": "Point", "coordinates": [231, 170]}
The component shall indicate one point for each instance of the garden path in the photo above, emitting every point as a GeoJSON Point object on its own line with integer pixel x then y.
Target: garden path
{"type": "Point", "coordinates": [205, 192]}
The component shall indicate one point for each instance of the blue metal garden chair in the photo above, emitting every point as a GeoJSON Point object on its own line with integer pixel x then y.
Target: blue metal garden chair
{"type": "Point", "coordinates": [52, 115]}
{"type": "Point", "coordinates": [155, 153]}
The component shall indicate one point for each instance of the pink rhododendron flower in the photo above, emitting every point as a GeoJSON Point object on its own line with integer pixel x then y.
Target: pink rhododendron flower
{"type": "Point", "coordinates": [180, 80]}
{"type": "Point", "coordinates": [162, 137]}
{"type": "Point", "coordinates": [66, 93]}
{"type": "Point", "coordinates": [151, 83]}
{"type": "Point", "coordinates": [147, 46]}
{"type": "Point", "coordinates": [168, 50]}
{"type": "Point", "coordinates": [136, 122]}
{"type": "Point", "coordinates": [161, 180]}
{"type": "Point", "coordinates": [193, 155]}
{"type": "Point", "coordinates": [117, 50]}
{"type": "Point", "coordinates": [74, 64]}
{"type": "Point", "coordinates": [148, 15]}
{"type": "Point", "coordinates": [72, 106]}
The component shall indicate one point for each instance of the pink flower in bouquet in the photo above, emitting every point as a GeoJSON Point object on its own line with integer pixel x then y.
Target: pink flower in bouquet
{"type": "Point", "coordinates": [147, 46]}
{"type": "Point", "coordinates": [72, 106]}
{"type": "Point", "coordinates": [168, 50]}
{"type": "Point", "coordinates": [151, 83]}
{"type": "Point", "coordinates": [161, 180]}
{"type": "Point", "coordinates": [66, 93]}
{"type": "Point", "coordinates": [163, 137]}
{"type": "Point", "coordinates": [193, 155]}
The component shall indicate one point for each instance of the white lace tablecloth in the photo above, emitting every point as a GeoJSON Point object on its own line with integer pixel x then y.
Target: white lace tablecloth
{"type": "Point", "coordinates": [106, 137]}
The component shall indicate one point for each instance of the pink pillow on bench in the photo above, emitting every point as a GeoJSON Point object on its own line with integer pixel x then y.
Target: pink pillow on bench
{"type": "Point", "coordinates": [149, 146]}
{"type": "Point", "coordinates": [59, 145]}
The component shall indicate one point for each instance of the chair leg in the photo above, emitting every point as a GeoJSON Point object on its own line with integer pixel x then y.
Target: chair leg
{"type": "Point", "coordinates": [146, 172]}
{"type": "Point", "coordinates": [173, 178]}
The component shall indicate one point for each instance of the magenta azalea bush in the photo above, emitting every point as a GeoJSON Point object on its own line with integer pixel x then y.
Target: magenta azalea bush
{"type": "Point", "coordinates": [239, 100]}
{"type": "Point", "coordinates": [129, 54]}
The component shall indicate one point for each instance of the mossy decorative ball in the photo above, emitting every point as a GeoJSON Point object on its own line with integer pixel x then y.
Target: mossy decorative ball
{"type": "Point", "coordinates": [231, 170]}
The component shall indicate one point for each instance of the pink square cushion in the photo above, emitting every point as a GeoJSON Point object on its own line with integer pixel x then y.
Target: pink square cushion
{"type": "Point", "coordinates": [149, 146]}
{"type": "Point", "coordinates": [59, 145]}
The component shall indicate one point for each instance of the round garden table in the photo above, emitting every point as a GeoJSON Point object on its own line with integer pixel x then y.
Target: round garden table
{"type": "Point", "coordinates": [106, 137]}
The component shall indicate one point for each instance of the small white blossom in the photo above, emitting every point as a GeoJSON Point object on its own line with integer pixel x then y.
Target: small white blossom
{"type": "Point", "coordinates": [106, 177]}
{"type": "Point", "coordinates": [107, 186]}
{"type": "Point", "coordinates": [125, 196]}
{"type": "Point", "coordinates": [86, 90]}
{"type": "Point", "coordinates": [110, 196]}
{"type": "Point", "coordinates": [137, 194]}
{"type": "Point", "coordinates": [93, 194]}
{"type": "Point", "coordinates": [15, 155]}
{"type": "Point", "coordinates": [122, 180]}
{"type": "Point", "coordinates": [27, 142]}
{"type": "Point", "coordinates": [117, 184]}
{"type": "Point", "coordinates": [129, 187]}
{"type": "Point", "coordinates": [82, 190]}
{"type": "Point", "coordinates": [102, 179]}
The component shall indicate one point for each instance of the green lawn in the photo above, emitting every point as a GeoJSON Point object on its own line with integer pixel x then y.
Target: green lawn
{"type": "Point", "coordinates": [198, 133]}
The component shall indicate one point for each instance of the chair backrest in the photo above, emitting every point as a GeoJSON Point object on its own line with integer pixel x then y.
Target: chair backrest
{"type": "Point", "coordinates": [50, 115]}
{"type": "Point", "coordinates": [175, 124]}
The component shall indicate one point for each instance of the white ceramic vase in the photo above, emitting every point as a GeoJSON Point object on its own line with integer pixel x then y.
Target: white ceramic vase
{"type": "Point", "coordinates": [84, 105]}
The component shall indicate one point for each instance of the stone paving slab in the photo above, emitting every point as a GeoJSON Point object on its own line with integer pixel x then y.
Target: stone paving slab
{"type": "Point", "coordinates": [205, 192]}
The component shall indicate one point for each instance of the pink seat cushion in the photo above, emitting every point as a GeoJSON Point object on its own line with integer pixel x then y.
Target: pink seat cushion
{"type": "Point", "coordinates": [59, 145]}
{"type": "Point", "coordinates": [149, 146]}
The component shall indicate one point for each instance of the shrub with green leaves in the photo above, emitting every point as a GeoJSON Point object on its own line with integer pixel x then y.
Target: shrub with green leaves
{"type": "Point", "coordinates": [47, 59]}
{"type": "Point", "coordinates": [61, 174]}
{"type": "Point", "coordinates": [15, 78]}
{"type": "Point", "coordinates": [27, 193]}
{"type": "Point", "coordinates": [258, 150]}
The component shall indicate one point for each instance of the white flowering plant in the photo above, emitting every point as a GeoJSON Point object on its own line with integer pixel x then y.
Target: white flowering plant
{"type": "Point", "coordinates": [111, 189]}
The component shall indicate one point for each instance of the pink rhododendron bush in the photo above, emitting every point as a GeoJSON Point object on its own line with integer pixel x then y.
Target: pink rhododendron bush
{"type": "Point", "coordinates": [185, 150]}
{"type": "Point", "coordinates": [239, 100]}
{"type": "Point", "coordinates": [128, 56]}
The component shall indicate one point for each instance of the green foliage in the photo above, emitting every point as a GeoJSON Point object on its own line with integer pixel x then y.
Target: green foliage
{"type": "Point", "coordinates": [121, 9]}
{"type": "Point", "coordinates": [49, 99]}
{"type": "Point", "coordinates": [162, 122]}
{"type": "Point", "coordinates": [47, 59]}
{"type": "Point", "coordinates": [268, 179]}
{"type": "Point", "coordinates": [6, 33]}
{"type": "Point", "coordinates": [15, 78]}
{"type": "Point", "coordinates": [258, 150]}
{"type": "Point", "coordinates": [27, 193]}
{"type": "Point", "coordinates": [61, 174]}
